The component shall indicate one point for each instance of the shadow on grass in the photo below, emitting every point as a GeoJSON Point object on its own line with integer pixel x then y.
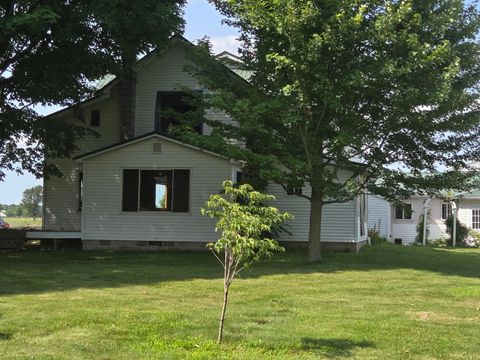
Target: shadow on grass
{"type": "Point", "coordinates": [5, 336]}
{"type": "Point", "coordinates": [23, 273]}
{"type": "Point", "coordinates": [334, 347]}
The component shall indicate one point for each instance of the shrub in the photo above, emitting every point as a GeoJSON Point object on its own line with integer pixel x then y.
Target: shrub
{"type": "Point", "coordinates": [473, 239]}
{"type": "Point", "coordinates": [438, 242]}
{"type": "Point", "coordinates": [375, 238]}
{"type": "Point", "coordinates": [462, 231]}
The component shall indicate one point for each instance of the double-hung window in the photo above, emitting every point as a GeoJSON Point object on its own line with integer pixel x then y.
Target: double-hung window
{"type": "Point", "coordinates": [156, 190]}
{"type": "Point", "coordinates": [476, 219]}
{"type": "Point", "coordinates": [403, 212]}
{"type": "Point", "coordinates": [446, 211]}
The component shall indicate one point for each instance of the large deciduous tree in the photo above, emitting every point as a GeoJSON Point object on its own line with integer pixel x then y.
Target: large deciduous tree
{"type": "Point", "coordinates": [51, 52]}
{"type": "Point", "coordinates": [387, 89]}
{"type": "Point", "coordinates": [31, 201]}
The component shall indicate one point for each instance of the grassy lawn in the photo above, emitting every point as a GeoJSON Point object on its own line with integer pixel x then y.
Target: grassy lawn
{"type": "Point", "coordinates": [24, 222]}
{"type": "Point", "coordinates": [388, 302]}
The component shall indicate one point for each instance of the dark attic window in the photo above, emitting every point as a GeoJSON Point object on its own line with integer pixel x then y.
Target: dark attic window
{"type": "Point", "coordinates": [95, 118]}
{"type": "Point", "coordinates": [168, 103]}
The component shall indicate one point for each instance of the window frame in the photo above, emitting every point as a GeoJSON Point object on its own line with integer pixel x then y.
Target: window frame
{"type": "Point", "coordinates": [156, 118]}
{"type": "Point", "coordinates": [473, 216]}
{"type": "Point", "coordinates": [294, 190]}
{"type": "Point", "coordinates": [163, 211]}
{"type": "Point", "coordinates": [448, 211]}
{"type": "Point", "coordinates": [404, 211]}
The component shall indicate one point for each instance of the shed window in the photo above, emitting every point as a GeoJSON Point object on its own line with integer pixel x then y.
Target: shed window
{"type": "Point", "coordinates": [168, 105]}
{"type": "Point", "coordinates": [476, 219]}
{"type": "Point", "coordinates": [156, 190]}
{"type": "Point", "coordinates": [95, 118]}
{"type": "Point", "coordinates": [446, 210]}
{"type": "Point", "coordinates": [294, 190]}
{"type": "Point", "coordinates": [403, 212]}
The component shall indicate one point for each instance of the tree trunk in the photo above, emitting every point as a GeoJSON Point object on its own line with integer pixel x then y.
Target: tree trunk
{"type": "Point", "coordinates": [314, 244]}
{"type": "Point", "coordinates": [127, 106]}
{"type": "Point", "coordinates": [224, 310]}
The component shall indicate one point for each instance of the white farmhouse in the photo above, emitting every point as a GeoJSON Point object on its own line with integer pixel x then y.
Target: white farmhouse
{"type": "Point", "coordinates": [147, 191]}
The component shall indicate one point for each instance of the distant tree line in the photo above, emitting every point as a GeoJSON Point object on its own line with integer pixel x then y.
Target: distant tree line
{"type": "Point", "coordinates": [31, 204]}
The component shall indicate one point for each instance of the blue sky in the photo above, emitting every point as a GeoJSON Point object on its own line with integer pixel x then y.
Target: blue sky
{"type": "Point", "coordinates": [201, 19]}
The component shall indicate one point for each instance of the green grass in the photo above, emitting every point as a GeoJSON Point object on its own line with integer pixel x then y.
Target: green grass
{"type": "Point", "coordinates": [24, 222]}
{"type": "Point", "coordinates": [388, 302]}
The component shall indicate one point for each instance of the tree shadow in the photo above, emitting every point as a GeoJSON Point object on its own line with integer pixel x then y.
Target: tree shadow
{"type": "Point", "coordinates": [334, 347]}
{"type": "Point", "coordinates": [27, 273]}
{"type": "Point", "coordinates": [5, 336]}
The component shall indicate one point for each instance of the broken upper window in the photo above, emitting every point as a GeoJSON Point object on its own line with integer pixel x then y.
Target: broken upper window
{"type": "Point", "coordinates": [169, 108]}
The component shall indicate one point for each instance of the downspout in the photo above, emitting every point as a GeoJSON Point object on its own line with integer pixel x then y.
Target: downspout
{"type": "Point", "coordinates": [426, 205]}
{"type": "Point", "coordinates": [454, 226]}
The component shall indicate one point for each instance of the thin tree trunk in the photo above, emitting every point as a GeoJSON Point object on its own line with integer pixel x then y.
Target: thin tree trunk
{"type": "Point", "coordinates": [222, 316]}
{"type": "Point", "coordinates": [314, 244]}
{"type": "Point", "coordinates": [127, 106]}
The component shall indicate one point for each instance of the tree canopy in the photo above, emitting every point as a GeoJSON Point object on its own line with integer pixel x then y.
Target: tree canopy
{"type": "Point", "coordinates": [387, 90]}
{"type": "Point", "coordinates": [32, 200]}
{"type": "Point", "coordinates": [52, 51]}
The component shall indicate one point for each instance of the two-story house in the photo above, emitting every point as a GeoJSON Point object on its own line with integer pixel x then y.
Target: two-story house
{"type": "Point", "coordinates": [147, 191]}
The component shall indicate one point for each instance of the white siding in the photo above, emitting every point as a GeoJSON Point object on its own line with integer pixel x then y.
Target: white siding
{"type": "Point", "coordinates": [407, 229]}
{"type": "Point", "coordinates": [165, 73]}
{"type": "Point", "coordinates": [437, 228]}
{"type": "Point", "coordinates": [379, 215]}
{"type": "Point", "coordinates": [103, 217]}
{"type": "Point", "coordinates": [465, 207]}
{"type": "Point", "coordinates": [338, 220]}
{"type": "Point", "coordinates": [61, 193]}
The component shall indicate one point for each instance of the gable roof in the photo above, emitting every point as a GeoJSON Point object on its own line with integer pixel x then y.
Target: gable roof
{"type": "Point", "coordinates": [109, 80]}
{"type": "Point", "coordinates": [144, 137]}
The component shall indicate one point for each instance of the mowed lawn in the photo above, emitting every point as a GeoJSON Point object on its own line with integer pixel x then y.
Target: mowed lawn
{"type": "Point", "coordinates": [388, 302]}
{"type": "Point", "coordinates": [24, 222]}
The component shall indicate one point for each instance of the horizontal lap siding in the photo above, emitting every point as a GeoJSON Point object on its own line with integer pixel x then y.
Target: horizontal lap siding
{"type": "Point", "coordinates": [338, 220]}
{"type": "Point", "coordinates": [407, 229]}
{"type": "Point", "coordinates": [165, 73]}
{"type": "Point", "coordinates": [103, 218]}
{"type": "Point", "coordinates": [61, 193]}
{"type": "Point", "coordinates": [437, 228]}
{"type": "Point", "coordinates": [465, 210]}
{"type": "Point", "coordinates": [379, 215]}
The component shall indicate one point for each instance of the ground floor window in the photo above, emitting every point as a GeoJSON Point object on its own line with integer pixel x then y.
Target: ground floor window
{"type": "Point", "coordinates": [476, 219]}
{"type": "Point", "coordinates": [446, 211]}
{"type": "Point", "coordinates": [403, 212]}
{"type": "Point", "coordinates": [156, 190]}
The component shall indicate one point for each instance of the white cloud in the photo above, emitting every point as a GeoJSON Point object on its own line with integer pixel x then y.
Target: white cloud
{"type": "Point", "coordinates": [225, 43]}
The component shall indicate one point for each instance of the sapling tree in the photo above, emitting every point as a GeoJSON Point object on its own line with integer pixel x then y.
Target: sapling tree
{"type": "Point", "coordinates": [245, 223]}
